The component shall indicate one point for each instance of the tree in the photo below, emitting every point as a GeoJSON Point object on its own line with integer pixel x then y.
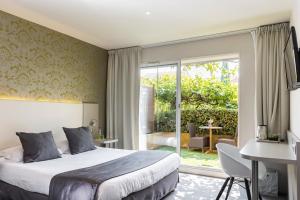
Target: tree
{"type": "Point", "coordinates": [196, 91]}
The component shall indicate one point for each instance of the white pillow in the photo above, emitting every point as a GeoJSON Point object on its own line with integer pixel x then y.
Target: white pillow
{"type": "Point", "coordinates": [14, 153]}
{"type": "Point", "coordinates": [63, 147]}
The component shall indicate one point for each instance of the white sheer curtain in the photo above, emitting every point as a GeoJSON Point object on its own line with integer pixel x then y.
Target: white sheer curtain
{"type": "Point", "coordinates": [272, 96]}
{"type": "Point", "coordinates": [123, 86]}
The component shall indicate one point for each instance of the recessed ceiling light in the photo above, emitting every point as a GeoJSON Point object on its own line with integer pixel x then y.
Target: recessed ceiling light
{"type": "Point", "coordinates": [148, 13]}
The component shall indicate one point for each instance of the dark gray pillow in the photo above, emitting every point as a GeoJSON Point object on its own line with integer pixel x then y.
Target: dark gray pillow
{"type": "Point", "coordinates": [80, 139]}
{"type": "Point", "coordinates": [38, 146]}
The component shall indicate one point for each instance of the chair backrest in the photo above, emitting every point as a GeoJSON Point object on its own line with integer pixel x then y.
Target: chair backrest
{"type": "Point", "coordinates": [234, 165]}
{"type": "Point", "coordinates": [192, 129]}
{"type": "Point", "coordinates": [231, 161]}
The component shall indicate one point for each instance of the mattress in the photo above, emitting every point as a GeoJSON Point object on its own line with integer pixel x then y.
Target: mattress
{"type": "Point", "coordinates": [36, 177]}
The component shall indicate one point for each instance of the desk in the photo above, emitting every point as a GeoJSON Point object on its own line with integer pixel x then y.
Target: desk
{"type": "Point", "coordinates": [261, 151]}
{"type": "Point", "coordinates": [210, 128]}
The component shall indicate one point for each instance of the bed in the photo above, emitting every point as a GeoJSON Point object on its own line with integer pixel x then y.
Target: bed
{"type": "Point", "coordinates": [33, 181]}
{"type": "Point", "coordinates": [35, 177]}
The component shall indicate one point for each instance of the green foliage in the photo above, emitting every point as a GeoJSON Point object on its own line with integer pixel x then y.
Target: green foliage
{"type": "Point", "coordinates": [196, 92]}
{"type": "Point", "coordinates": [202, 98]}
{"type": "Point", "coordinates": [226, 118]}
{"type": "Point", "coordinates": [165, 87]}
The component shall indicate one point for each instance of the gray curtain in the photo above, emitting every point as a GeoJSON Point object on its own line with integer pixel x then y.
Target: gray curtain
{"type": "Point", "coordinates": [272, 96]}
{"type": "Point", "coordinates": [123, 86]}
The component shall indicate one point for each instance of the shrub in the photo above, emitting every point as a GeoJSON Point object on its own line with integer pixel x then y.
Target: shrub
{"type": "Point", "coordinates": [202, 98]}
{"type": "Point", "coordinates": [196, 92]}
{"type": "Point", "coordinates": [226, 118]}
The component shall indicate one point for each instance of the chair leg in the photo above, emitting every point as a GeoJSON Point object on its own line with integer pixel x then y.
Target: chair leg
{"type": "Point", "coordinates": [247, 189]}
{"type": "Point", "coordinates": [229, 187]}
{"type": "Point", "coordinates": [223, 188]}
{"type": "Point", "coordinates": [259, 196]}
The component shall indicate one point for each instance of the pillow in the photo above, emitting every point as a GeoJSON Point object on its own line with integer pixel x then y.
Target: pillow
{"type": "Point", "coordinates": [80, 139]}
{"type": "Point", "coordinates": [14, 153]}
{"type": "Point", "coordinates": [63, 147]}
{"type": "Point", "coordinates": [38, 146]}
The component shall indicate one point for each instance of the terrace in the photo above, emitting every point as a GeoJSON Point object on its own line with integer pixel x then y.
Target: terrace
{"type": "Point", "coordinates": [190, 157]}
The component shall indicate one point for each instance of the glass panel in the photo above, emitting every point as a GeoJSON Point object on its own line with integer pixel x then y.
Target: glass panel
{"type": "Point", "coordinates": [158, 108]}
{"type": "Point", "coordinates": [209, 110]}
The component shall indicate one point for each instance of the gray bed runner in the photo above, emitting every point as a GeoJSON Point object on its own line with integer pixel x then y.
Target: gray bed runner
{"type": "Point", "coordinates": [82, 184]}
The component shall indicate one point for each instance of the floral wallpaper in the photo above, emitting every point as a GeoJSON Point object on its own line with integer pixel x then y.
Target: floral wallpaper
{"type": "Point", "coordinates": [39, 63]}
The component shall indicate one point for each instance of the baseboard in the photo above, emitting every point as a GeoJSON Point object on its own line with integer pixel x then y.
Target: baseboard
{"type": "Point", "coordinates": [203, 171]}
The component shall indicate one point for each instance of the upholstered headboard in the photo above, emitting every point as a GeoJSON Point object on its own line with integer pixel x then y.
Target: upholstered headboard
{"type": "Point", "coordinates": [29, 116]}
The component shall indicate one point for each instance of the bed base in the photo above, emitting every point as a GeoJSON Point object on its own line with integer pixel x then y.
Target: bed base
{"type": "Point", "coordinates": [154, 192]}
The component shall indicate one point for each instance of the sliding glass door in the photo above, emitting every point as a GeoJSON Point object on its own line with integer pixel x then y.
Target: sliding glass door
{"type": "Point", "coordinates": [159, 107]}
{"type": "Point", "coordinates": [209, 109]}
{"type": "Point", "coordinates": [188, 107]}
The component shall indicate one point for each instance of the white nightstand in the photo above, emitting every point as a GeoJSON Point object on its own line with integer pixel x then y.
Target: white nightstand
{"type": "Point", "coordinates": [108, 142]}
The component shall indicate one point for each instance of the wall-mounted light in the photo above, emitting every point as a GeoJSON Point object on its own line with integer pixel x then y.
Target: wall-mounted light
{"type": "Point", "coordinates": [92, 126]}
{"type": "Point", "coordinates": [91, 117]}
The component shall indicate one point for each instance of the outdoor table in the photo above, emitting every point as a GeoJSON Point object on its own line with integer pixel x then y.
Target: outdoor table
{"type": "Point", "coordinates": [210, 129]}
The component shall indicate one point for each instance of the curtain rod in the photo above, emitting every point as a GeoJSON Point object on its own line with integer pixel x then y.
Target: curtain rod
{"type": "Point", "coordinates": [217, 35]}
{"type": "Point", "coordinates": [122, 48]}
{"type": "Point", "coordinates": [274, 24]}
{"type": "Point", "coordinates": [204, 37]}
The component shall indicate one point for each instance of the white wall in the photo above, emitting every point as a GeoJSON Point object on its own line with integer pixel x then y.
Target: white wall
{"type": "Point", "coordinates": [294, 104]}
{"type": "Point", "coordinates": [295, 95]}
{"type": "Point", "coordinates": [241, 44]}
{"type": "Point", "coordinates": [295, 18]}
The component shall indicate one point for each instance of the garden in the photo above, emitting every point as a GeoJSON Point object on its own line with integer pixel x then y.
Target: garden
{"type": "Point", "coordinates": [209, 91]}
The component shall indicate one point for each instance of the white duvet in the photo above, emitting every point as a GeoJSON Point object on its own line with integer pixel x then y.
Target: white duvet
{"type": "Point", "coordinates": [36, 177]}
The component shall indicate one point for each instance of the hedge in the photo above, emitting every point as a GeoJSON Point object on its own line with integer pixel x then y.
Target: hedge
{"type": "Point", "coordinates": [226, 118]}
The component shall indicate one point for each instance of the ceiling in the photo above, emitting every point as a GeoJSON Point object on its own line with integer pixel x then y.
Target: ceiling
{"type": "Point", "coordinates": [114, 24]}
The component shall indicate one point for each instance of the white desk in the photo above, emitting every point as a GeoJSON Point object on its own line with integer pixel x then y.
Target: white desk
{"type": "Point", "coordinates": [261, 151]}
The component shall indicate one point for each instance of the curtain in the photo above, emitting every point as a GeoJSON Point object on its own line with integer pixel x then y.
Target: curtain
{"type": "Point", "coordinates": [272, 96]}
{"type": "Point", "coordinates": [123, 86]}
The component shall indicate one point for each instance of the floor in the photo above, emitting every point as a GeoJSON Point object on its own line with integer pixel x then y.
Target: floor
{"type": "Point", "coordinates": [193, 187]}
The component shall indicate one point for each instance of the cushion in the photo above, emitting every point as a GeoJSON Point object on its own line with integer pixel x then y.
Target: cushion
{"type": "Point", "coordinates": [38, 146]}
{"type": "Point", "coordinates": [14, 154]}
{"type": "Point", "coordinates": [80, 139]}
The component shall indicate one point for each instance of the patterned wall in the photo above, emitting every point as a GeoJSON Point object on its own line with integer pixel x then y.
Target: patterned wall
{"type": "Point", "coordinates": [39, 63]}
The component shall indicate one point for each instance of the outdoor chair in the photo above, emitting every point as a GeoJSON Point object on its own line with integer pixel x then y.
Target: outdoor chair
{"type": "Point", "coordinates": [236, 168]}
{"type": "Point", "coordinates": [231, 141]}
{"type": "Point", "coordinates": [197, 142]}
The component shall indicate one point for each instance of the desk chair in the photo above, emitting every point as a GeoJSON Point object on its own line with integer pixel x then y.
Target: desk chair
{"type": "Point", "coordinates": [236, 167]}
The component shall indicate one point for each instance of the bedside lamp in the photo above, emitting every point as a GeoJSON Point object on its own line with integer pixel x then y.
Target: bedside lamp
{"type": "Point", "coordinates": [92, 125]}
